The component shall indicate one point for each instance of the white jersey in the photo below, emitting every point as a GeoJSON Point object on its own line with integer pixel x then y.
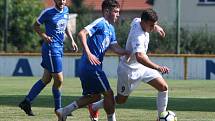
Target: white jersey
{"type": "Point", "coordinates": [131, 73]}
{"type": "Point", "coordinates": [137, 41]}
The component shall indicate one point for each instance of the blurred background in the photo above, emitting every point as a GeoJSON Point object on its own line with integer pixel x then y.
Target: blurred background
{"type": "Point", "coordinates": [189, 24]}
{"type": "Point", "coordinates": [188, 48]}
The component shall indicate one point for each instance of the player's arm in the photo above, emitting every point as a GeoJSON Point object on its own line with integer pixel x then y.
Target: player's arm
{"type": "Point", "coordinates": [118, 50]}
{"type": "Point", "coordinates": [83, 36]}
{"type": "Point", "coordinates": [69, 35]}
{"type": "Point", "coordinates": [159, 29]}
{"type": "Point", "coordinates": [43, 35]}
{"type": "Point", "coordinates": [143, 59]}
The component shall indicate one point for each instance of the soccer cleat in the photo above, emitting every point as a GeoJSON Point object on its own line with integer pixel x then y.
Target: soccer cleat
{"type": "Point", "coordinates": [26, 106]}
{"type": "Point", "coordinates": [94, 115]}
{"type": "Point", "coordinates": [60, 114]}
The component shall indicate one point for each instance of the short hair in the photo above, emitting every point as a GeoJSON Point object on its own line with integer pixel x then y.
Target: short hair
{"type": "Point", "coordinates": [149, 15]}
{"type": "Point", "coordinates": [110, 4]}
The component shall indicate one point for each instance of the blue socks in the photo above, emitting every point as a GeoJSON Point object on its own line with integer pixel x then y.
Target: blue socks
{"type": "Point", "coordinates": [38, 87]}
{"type": "Point", "coordinates": [35, 90]}
{"type": "Point", "coordinates": [57, 97]}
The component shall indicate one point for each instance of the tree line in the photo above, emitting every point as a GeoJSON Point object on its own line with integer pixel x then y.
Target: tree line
{"type": "Point", "coordinates": [23, 13]}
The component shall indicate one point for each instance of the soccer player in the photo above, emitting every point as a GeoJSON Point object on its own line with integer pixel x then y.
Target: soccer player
{"type": "Point", "coordinates": [55, 20]}
{"type": "Point", "coordinates": [96, 38]}
{"type": "Point", "coordinates": [131, 71]}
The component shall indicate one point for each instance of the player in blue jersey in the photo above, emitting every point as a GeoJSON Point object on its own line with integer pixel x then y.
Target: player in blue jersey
{"type": "Point", "coordinates": [97, 38]}
{"type": "Point", "coordinates": [55, 20]}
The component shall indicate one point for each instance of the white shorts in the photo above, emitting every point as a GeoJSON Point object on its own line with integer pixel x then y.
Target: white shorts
{"type": "Point", "coordinates": [129, 79]}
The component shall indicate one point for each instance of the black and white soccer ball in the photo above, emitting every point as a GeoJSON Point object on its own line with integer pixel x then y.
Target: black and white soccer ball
{"type": "Point", "coordinates": [168, 116]}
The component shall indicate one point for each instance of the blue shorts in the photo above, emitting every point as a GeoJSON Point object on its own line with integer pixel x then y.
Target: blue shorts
{"type": "Point", "coordinates": [52, 59]}
{"type": "Point", "coordinates": [93, 81]}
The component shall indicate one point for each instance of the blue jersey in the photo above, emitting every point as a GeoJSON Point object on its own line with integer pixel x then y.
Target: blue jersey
{"type": "Point", "coordinates": [55, 24]}
{"type": "Point", "coordinates": [101, 35]}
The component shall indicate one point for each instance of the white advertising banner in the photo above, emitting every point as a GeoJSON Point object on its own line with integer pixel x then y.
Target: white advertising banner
{"type": "Point", "coordinates": [182, 67]}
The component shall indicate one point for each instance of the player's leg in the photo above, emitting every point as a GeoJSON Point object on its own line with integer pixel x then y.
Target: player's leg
{"type": "Point", "coordinates": [125, 85]}
{"type": "Point", "coordinates": [57, 74]}
{"type": "Point", "coordinates": [162, 96]}
{"type": "Point", "coordinates": [34, 91]}
{"type": "Point", "coordinates": [128, 80]}
{"type": "Point", "coordinates": [81, 102]}
{"type": "Point", "coordinates": [94, 113]}
{"type": "Point", "coordinates": [102, 85]}
{"type": "Point", "coordinates": [56, 89]}
{"type": "Point", "coordinates": [109, 105]}
{"type": "Point", "coordinates": [154, 78]}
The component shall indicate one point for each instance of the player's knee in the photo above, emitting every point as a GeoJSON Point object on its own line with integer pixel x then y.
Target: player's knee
{"type": "Point", "coordinates": [46, 81]}
{"type": "Point", "coordinates": [58, 84]}
{"type": "Point", "coordinates": [121, 99]}
{"type": "Point", "coordinates": [164, 87]}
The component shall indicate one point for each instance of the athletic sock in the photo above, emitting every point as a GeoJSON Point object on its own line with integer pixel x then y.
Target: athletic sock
{"type": "Point", "coordinates": [162, 100]}
{"type": "Point", "coordinates": [35, 90]}
{"type": "Point", "coordinates": [57, 97]}
{"type": "Point", "coordinates": [97, 105]}
{"type": "Point", "coordinates": [111, 117]}
{"type": "Point", "coordinates": [70, 108]}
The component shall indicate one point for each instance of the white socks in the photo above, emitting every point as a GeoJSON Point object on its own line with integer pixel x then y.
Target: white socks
{"type": "Point", "coordinates": [98, 105]}
{"type": "Point", "coordinates": [111, 117]}
{"type": "Point", "coordinates": [71, 107]}
{"type": "Point", "coordinates": [162, 100]}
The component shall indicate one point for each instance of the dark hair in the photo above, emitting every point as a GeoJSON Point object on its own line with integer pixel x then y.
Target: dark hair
{"type": "Point", "coordinates": [110, 4]}
{"type": "Point", "coordinates": [149, 15]}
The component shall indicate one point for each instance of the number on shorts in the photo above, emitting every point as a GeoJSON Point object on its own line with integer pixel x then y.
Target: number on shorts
{"type": "Point", "coordinates": [123, 89]}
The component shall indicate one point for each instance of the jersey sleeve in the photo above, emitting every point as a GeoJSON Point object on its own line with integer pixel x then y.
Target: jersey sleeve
{"type": "Point", "coordinates": [94, 26]}
{"type": "Point", "coordinates": [43, 16]}
{"type": "Point", "coordinates": [67, 12]}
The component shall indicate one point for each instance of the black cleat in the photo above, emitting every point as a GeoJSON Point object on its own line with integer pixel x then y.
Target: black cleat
{"type": "Point", "coordinates": [26, 106]}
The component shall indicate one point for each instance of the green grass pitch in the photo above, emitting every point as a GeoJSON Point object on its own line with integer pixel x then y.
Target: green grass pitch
{"type": "Point", "coordinates": [191, 100]}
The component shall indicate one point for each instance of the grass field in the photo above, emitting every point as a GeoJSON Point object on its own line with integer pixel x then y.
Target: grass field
{"type": "Point", "coordinates": [191, 100]}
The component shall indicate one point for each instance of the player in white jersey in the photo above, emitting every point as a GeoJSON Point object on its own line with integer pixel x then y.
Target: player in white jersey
{"type": "Point", "coordinates": [131, 71]}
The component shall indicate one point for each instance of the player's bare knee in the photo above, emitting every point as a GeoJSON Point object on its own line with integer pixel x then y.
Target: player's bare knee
{"type": "Point", "coordinates": [121, 99]}
{"type": "Point", "coordinates": [164, 87]}
{"type": "Point", "coordinates": [46, 81]}
{"type": "Point", "coordinates": [58, 84]}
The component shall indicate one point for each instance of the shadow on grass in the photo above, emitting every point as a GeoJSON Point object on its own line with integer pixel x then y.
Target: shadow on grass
{"type": "Point", "coordinates": [179, 104]}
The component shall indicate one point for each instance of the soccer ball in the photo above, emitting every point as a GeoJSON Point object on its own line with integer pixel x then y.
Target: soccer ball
{"type": "Point", "coordinates": [168, 116]}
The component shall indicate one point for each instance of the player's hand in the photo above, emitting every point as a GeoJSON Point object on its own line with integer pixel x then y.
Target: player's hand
{"type": "Point", "coordinates": [163, 69]}
{"type": "Point", "coordinates": [74, 47]}
{"type": "Point", "coordinates": [93, 59]}
{"type": "Point", "coordinates": [46, 38]}
{"type": "Point", "coordinates": [160, 30]}
{"type": "Point", "coordinates": [128, 56]}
